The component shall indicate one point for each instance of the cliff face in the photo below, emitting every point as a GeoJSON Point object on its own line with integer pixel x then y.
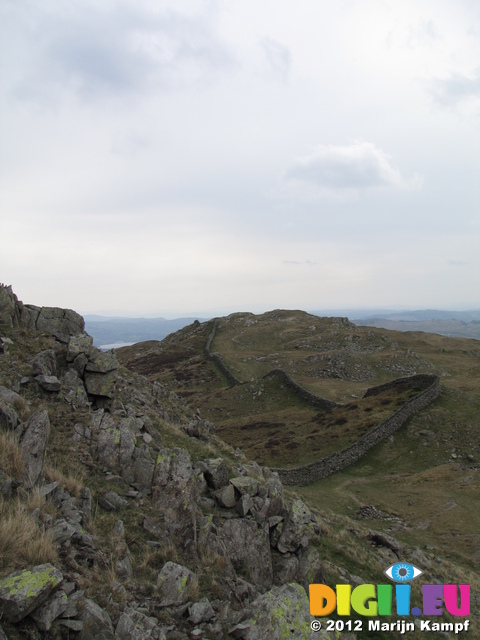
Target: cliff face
{"type": "Point", "coordinates": [145, 524]}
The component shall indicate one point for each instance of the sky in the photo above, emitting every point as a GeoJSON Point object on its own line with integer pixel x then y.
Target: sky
{"type": "Point", "coordinates": [178, 157]}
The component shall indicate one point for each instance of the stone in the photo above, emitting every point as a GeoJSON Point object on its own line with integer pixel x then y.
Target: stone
{"type": "Point", "coordinates": [8, 307]}
{"type": "Point", "coordinates": [226, 497]}
{"type": "Point", "coordinates": [133, 625]}
{"type": "Point", "coordinates": [246, 485]}
{"type": "Point", "coordinates": [272, 491]}
{"type": "Point", "coordinates": [72, 608]}
{"type": "Point", "coordinates": [60, 323]}
{"type": "Point", "coordinates": [97, 624]}
{"type": "Point", "coordinates": [100, 384]}
{"type": "Point", "coordinates": [73, 390]}
{"type": "Point", "coordinates": [23, 591]}
{"type": "Point", "coordinates": [201, 611]}
{"type": "Point", "coordinates": [174, 584]}
{"type": "Point", "coordinates": [44, 363]}
{"type": "Point", "coordinates": [116, 500]}
{"type": "Point", "coordinates": [49, 383]}
{"type": "Point", "coordinates": [283, 612]}
{"type": "Point", "coordinates": [173, 493]}
{"type": "Point", "coordinates": [244, 505]}
{"type": "Point", "coordinates": [33, 446]}
{"type": "Point", "coordinates": [284, 568]}
{"type": "Point", "coordinates": [248, 547]}
{"type": "Point", "coordinates": [45, 615]}
{"type": "Point", "coordinates": [215, 472]}
{"type": "Point", "coordinates": [102, 361]}
{"type": "Point", "coordinates": [8, 417]}
{"type": "Point", "coordinates": [62, 531]}
{"type": "Point", "coordinates": [81, 343]}
{"type": "Point", "coordinates": [297, 529]}
{"type": "Point", "coordinates": [80, 363]}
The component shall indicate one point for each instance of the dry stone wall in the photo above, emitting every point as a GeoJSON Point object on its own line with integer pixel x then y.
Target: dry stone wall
{"type": "Point", "coordinates": [309, 473]}
{"type": "Point", "coordinates": [217, 358]}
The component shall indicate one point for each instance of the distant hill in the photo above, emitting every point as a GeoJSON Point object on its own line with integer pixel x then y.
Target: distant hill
{"type": "Point", "coordinates": [107, 331]}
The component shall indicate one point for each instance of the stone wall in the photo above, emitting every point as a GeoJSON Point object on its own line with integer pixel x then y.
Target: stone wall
{"type": "Point", "coordinates": [299, 391]}
{"type": "Point", "coordinates": [217, 358]}
{"type": "Point", "coordinates": [309, 473]}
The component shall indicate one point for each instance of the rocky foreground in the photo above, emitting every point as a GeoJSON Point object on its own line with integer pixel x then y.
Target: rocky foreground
{"type": "Point", "coordinates": [156, 541]}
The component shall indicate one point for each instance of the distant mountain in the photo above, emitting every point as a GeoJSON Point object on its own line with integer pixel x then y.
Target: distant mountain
{"type": "Point", "coordinates": [107, 331]}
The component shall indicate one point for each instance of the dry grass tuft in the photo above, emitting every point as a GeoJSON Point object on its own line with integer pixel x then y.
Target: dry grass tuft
{"type": "Point", "coordinates": [71, 483]}
{"type": "Point", "coordinates": [11, 461]}
{"type": "Point", "coordinates": [23, 541]}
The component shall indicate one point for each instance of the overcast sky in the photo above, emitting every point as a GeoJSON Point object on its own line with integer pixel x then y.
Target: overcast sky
{"type": "Point", "coordinates": [177, 157]}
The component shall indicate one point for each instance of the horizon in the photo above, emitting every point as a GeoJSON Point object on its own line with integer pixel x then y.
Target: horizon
{"type": "Point", "coordinates": [238, 155]}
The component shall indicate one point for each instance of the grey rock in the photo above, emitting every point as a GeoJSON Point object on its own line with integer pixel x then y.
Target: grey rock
{"type": "Point", "coordinates": [73, 390]}
{"type": "Point", "coordinates": [23, 591]}
{"type": "Point", "coordinates": [45, 615]}
{"type": "Point", "coordinates": [49, 383]}
{"type": "Point", "coordinates": [298, 528]}
{"type": "Point", "coordinates": [62, 531]}
{"type": "Point", "coordinates": [100, 384]}
{"type": "Point", "coordinates": [248, 547]}
{"type": "Point", "coordinates": [80, 363]}
{"type": "Point", "coordinates": [8, 307]}
{"type": "Point", "coordinates": [72, 608]}
{"type": "Point", "coordinates": [215, 472]}
{"type": "Point", "coordinates": [60, 323]}
{"type": "Point", "coordinates": [116, 500]}
{"type": "Point", "coordinates": [78, 344]}
{"type": "Point", "coordinates": [201, 611]}
{"type": "Point", "coordinates": [97, 624]}
{"type": "Point", "coordinates": [102, 361]}
{"type": "Point", "coordinates": [74, 625]}
{"type": "Point", "coordinates": [33, 446]}
{"type": "Point", "coordinates": [246, 485]}
{"type": "Point", "coordinates": [133, 625]}
{"type": "Point", "coordinates": [226, 497]}
{"type": "Point", "coordinates": [174, 583]}
{"type": "Point", "coordinates": [284, 568]}
{"type": "Point", "coordinates": [8, 416]}
{"type": "Point", "coordinates": [280, 613]}
{"type": "Point", "coordinates": [44, 363]}
{"type": "Point", "coordinates": [244, 505]}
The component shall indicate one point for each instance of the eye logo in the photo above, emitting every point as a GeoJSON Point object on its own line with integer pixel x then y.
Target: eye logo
{"type": "Point", "coordinates": [402, 572]}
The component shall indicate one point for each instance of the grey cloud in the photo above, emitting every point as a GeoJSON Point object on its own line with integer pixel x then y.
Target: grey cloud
{"type": "Point", "coordinates": [309, 263]}
{"type": "Point", "coordinates": [457, 88]}
{"type": "Point", "coordinates": [119, 48]}
{"type": "Point", "coordinates": [278, 57]}
{"type": "Point", "coordinates": [360, 165]}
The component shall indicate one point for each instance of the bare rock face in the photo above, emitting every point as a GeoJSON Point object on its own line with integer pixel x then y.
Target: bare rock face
{"type": "Point", "coordinates": [23, 591]}
{"type": "Point", "coordinates": [77, 345]}
{"type": "Point", "coordinates": [248, 547]}
{"type": "Point", "coordinates": [133, 625]}
{"type": "Point", "coordinates": [97, 624]}
{"type": "Point", "coordinates": [297, 529]}
{"type": "Point", "coordinates": [44, 363]}
{"type": "Point", "coordinates": [60, 323]}
{"type": "Point", "coordinates": [33, 446]}
{"type": "Point", "coordinates": [100, 384]}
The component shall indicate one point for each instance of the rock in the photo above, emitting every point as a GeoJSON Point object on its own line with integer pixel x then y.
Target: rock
{"type": "Point", "coordinates": [215, 472]}
{"type": "Point", "coordinates": [244, 505]}
{"type": "Point", "coordinates": [44, 363]}
{"type": "Point", "coordinates": [8, 417]}
{"type": "Point", "coordinates": [97, 624]}
{"type": "Point", "coordinates": [173, 493]}
{"type": "Point", "coordinates": [50, 611]}
{"type": "Point", "coordinates": [73, 390]}
{"type": "Point", "coordinates": [297, 529]}
{"type": "Point", "coordinates": [175, 583]}
{"type": "Point", "coordinates": [60, 323]}
{"type": "Point", "coordinates": [62, 531]}
{"type": "Point", "coordinates": [226, 497]}
{"type": "Point", "coordinates": [283, 612]}
{"type": "Point", "coordinates": [100, 384]}
{"type": "Point", "coordinates": [133, 625]}
{"type": "Point", "coordinates": [72, 608]}
{"type": "Point", "coordinates": [49, 383]}
{"type": "Point", "coordinates": [116, 500]}
{"type": "Point", "coordinates": [8, 307]}
{"type": "Point", "coordinates": [383, 540]}
{"type": "Point", "coordinates": [23, 591]}
{"type": "Point", "coordinates": [248, 547]}
{"type": "Point", "coordinates": [80, 363]}
{"type": "Point", "coordinates": [201, 611]}
{"type": "Point", "coordinates": [284, 568]}
{"type": "Point", "coordinates": [33, 446]}
{"type": "Point", "coordinates": [78, 344]}
{"type": "Point", "coordinates": [102, 361]}
{"type": "Point", "coordinates": [272, 491]}
{"type": "Point", "coordinates": [246, 485]}
{"type": "Point", "coordinates": [115, 443]}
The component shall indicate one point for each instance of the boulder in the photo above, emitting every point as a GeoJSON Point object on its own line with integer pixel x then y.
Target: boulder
{"type": "Point", "coordinates": [8, 307]}
{"type": "Point", "coordinates": [201, 611]}
{"type": "Point", "coordinates": [133, 625]}
{"type": "Point", "coordinates": [54, 607]}
{"type": "Point", "coordinates": [60, 323]}
{"type": "Point", "coordinates": [100, 384]}
{"type": "Point", "coordinates": [215, 472]}
{"type": "Point", "coordinates": [175, 584]}
{"type": "Point", "coordinates": [73, 390]}
{"type": "Point", "coordinates": [97, 624]}
{"type": "Point", "coordinates": [298, 528]}
{"type": "Point", "coordinates": [77, 345]}
{"type": "Point", "coordinates": [173, 493]}
{"type": "Point", "coordinates": [23, 591]}
{"type": "Point", "coordinates": [44, 363]}
{"type": "Point", "coordinates": [8, 416]}
{"type": "Point", "coordinates": [248, 547]}
{"type": "Point", "coordinates": [33, 446]}
{"type": "Point", "coordinates": [49, 383]}
{"type": "Point", "coordinates": [102, 361]}
{"type": "Point", "coordinates": [246, 485]}
{"type": "Point", "coordinates": [225, 497]}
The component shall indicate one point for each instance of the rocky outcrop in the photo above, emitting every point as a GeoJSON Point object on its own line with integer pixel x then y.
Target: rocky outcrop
{"type": "Point", "coordinates": [33, 446]}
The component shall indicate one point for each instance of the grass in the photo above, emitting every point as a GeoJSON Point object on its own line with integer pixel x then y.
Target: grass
{"type": "Point", "coordinates": [11, 460]}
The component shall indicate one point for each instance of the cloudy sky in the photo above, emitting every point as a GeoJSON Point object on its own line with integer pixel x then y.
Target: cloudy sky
{"type": "Point", "coordinates": [180, 156]}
